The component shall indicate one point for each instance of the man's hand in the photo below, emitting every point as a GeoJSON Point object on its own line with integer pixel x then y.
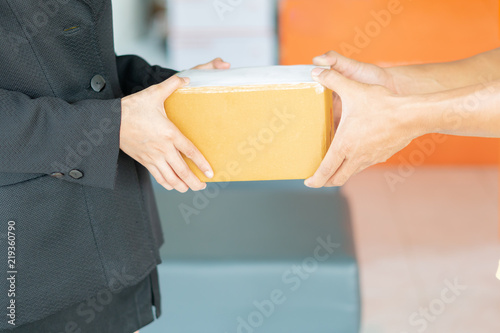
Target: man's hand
{"type": "Point", "coordinates": [217, 63]}
{"type": "Point", "coordinates": [149, 137]}
{"type": "Point", "coordinates": [357, 71]}
{"type": "Point", "coordinates": [354, 70]}
{"type": "Point", "coordinates": [374, 126]}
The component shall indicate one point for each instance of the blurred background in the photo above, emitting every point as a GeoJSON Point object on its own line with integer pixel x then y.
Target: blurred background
{"type": "Point", "coordinates": [426, 217]}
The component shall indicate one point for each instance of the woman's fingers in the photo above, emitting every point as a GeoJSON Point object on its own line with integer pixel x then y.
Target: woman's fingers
{"type": "Point", "coordinates": [159, 177]}
{"type": "Point", "coordinates": [171, 177]}
{"type": "Point", "coordinates": [217, 63]}
{"type": "Point", "coordinates": [182, 170]}
{"type": "Point", "coordinates": [190, 151]}
{"type": "Point", "coordinates": [174, 173]}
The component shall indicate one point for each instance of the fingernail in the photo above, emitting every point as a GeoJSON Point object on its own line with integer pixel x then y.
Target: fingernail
{"type": "Point", "coordinates": [308, 182]}
{"type": "Point", "coordinates": [209, 174]}
{"type": "Point", "coordinates": [317, 71]}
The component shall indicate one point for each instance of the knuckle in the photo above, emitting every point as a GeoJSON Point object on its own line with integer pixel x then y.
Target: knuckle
{"type": "Point", "coordinates": [184, 173]}
{"type": "Point", "coordinates": [148, 159]}
{"type": "Point", "coordinates": [175, 80]}
{"type": "Point", "coordinates": [345, 150]}
{"type": "Point", "coordinates": [341, 179]}
{"type": "Point", "coordinates": [173, 181]}
{"type": "Point", "coordinates": [326, 169]}
{"type": "Point", "coordinates": [332, 57]}
{"type": "Point", "coordinates": [190, 153]}
{"type": "Point", "coordinates": [331, 53]}
{"type": "Point", "coordinates": [169, 134]}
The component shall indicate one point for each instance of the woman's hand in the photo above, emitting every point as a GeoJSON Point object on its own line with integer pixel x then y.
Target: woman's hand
{"type": "Point", "coordinates": [217, 63]}
{"type": "Point", "coordinates": [374, 124]}
{"type": "Point", "coordinates": [149, 137]}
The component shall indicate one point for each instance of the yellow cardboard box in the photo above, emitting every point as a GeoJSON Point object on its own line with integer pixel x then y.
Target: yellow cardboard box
{"type": "Point", "coordinates": [263, 123]}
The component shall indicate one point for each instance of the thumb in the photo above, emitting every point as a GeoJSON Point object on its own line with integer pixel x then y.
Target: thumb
{"type": "Point", "coordinates": [338, 62]}
{"type": "Point", "coordinates": [166, 88]}
{"type": "Point", "coordinates": [334, 80]}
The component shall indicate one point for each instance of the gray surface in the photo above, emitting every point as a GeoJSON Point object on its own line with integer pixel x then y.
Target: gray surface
{"type": "Point", "coordinates": [239, 247]}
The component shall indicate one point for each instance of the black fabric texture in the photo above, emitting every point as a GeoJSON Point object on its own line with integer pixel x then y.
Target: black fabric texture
{"type": "Point", "coordinates": [106, 311]}
{"type": "Point", "coordinates": [74, 237]}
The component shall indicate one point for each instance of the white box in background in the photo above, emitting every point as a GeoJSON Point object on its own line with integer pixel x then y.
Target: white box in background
{"type": "Point", "coordinates": [242, 32]}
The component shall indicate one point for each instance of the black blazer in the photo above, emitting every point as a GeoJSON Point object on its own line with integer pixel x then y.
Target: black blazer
{"type": "Point", "coordinates": [84, 212]}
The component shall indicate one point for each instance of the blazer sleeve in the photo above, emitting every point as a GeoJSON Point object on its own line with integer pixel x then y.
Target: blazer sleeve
{"type": "Point", "coordinates": [77, 142]}
{"type": "Point", "coordinates": [136, 74]}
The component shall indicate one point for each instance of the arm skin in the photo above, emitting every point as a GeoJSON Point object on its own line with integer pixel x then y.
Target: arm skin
{"type": "Point", "coordinates": [383, 110]}
{"type": "Point", "coordinates": [427, 78]}
{"type": "Point", "coordinates": [468, 111]}
{"type": "Point", "coordinates": [419, 79]}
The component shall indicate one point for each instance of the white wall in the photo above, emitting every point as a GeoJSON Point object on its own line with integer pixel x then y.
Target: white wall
{"type": "Point", "coordinates": [242, 32]}
{"type": "Point", "coordinates": [128, 21]}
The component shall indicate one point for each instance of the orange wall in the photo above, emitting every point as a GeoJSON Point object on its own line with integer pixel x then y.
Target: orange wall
{"type": "Point", "coordinates": [417, 31]}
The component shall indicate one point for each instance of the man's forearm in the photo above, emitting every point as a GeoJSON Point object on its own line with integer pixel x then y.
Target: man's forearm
{"type": "Point", "coordinates": [469, 111]}
{"type": "Point", "coordinates": [429, 78]}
